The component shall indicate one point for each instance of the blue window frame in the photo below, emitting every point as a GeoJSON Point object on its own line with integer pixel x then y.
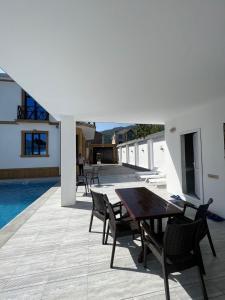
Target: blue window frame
{"type": "Point", "coordinates": [33, 110]}
{"type": "Point", "coordinates": [35, 143]}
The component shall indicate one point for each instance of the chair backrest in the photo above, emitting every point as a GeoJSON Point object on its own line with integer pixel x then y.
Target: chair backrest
{"type": "Point", "coordinates": [181, 239]}
{"type": "Point", "coordinates": [99, 203]}
{"type": "Point", "coordinates": [112, 217]}
{"type": "Point", "coordinates": [202, 210]}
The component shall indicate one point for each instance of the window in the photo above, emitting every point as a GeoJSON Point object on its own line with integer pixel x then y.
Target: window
{"type": "Point", "coordinates": [33, 110]}
{"type": "Point", "coordinates": [34, 143]}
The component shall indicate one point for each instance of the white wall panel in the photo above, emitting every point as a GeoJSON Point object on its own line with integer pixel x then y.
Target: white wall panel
{"type": "Point", "coordinates": [124, 155]}
{"type": "Point", "coordinates": [159, 154]}
{"type": "Point", "coordinates": [131, 150]}
{"type": "Point", "coordinates": [143, 155]}
{"type": "Point", "coordinates": [10, 147]}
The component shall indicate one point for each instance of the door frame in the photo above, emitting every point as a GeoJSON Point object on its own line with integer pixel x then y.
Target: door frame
{"type": "Point", "coordinates": [183, 175]}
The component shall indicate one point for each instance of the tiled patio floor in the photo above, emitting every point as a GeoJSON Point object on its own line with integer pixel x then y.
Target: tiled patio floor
{"type": "Point", "coordinates": [53, 256]}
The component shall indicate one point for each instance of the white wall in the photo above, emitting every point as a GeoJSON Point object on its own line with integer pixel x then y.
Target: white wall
{"type": "Point", "coordinates": [10, 147]}
{"type": "Point", "coordinates": [124, 155]}
{"type": "Point", "coordinates": [145, 153]}
{"type": "Point", "coordinates": [131, 150]}
{"type": "Point", "coordinates": [210, 120]}
{"type": "Point", "coordinates": [119, 155]}
{"type": "Point", "coordinates": [143, 156]}
{"type": "Point", "coordinates": [10, 98]}
{"type": "Point", "coordinates": [159, 153]}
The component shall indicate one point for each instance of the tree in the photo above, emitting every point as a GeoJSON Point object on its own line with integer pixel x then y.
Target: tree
{"type": "Point", "coordinates": [142, 130]}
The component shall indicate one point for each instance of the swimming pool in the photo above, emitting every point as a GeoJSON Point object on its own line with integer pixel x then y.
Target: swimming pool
{"type": "Point", "coordinates": [16, 196]}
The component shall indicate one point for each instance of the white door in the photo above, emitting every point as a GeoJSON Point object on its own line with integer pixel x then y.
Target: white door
{"type": "Point", "coordinates": [197, 163]}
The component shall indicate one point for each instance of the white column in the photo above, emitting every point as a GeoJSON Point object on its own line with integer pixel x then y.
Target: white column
{"type": "Point", "coordinates": [127, 154]}
{"type": "Point", "coordinates": [150, 154]}
{"type": "Point", "coordinates": [68, 161]}
{"type": "Point", "coordinates": [136, 154]}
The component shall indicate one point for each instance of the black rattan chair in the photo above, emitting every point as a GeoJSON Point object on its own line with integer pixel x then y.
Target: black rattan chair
{"type": "Point", "coordinates": [119, 227]}
{"type": "Point", "coordinates": [94, 176]}
{"type": "Point", "coordinates": [176, 250]}
{"type": "Point", "coordinates": [82, 181]}
{"type": "Point", "coordinates": [201, 213]}
{"type": "Point", "coordinates": [100, 210]}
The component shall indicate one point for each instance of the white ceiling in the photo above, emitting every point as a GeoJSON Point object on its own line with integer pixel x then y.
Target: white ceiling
{"type": "Point", "coordinates": [116, 60]}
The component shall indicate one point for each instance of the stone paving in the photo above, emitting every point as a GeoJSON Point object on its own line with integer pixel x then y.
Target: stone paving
{"type": "Point", "coordinates": [53, 256]}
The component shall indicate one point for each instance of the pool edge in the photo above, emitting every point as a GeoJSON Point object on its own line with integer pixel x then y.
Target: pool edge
{"type": "Point", "coordinates": [11, 228]}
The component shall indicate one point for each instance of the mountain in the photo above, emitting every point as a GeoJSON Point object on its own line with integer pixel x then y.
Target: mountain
{"type": "Point", "coordinates": [109, 133]}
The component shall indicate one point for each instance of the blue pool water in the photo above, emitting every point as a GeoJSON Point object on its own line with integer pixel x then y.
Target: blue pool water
{"type": "Point", "coordinates": [16, 196]}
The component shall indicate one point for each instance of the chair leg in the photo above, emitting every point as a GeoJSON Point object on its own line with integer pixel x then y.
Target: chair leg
{"type": "Point", "coordinates": [91, 222]}
{"type": "Point", "coordinates": [141, 234]}
{"type": "Point", "coordinates": [211, 243]}
{"type": "Point", "coordinates": [113, 252]}
{"type": "Point", "coordinates": [103, 233]}
{"type": "Point", "coordinates": [166, 282]}
{"type": "Point", "coordinates": [152, 225]}
{"type": "Point", "coordinates": [201, 264]}
{"type": "Point", "coordinates": [202, 283]}
{"type": "Point", "coordinates": [145, 256]}
{"type": "Point", "coordinates": [107, 234]}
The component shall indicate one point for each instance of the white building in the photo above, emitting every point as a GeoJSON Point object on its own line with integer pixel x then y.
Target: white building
{"type": "Point", "coordinates": [30, 137]}
{"type": "Point", "coordinates": [151, 63]}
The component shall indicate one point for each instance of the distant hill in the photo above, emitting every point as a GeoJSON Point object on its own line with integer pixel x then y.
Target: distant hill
{"type": "Point", "coordinates": [109, 133]}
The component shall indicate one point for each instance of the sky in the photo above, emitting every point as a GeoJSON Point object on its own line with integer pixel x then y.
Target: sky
{"type": "Point", "coordinates": [104, 126]}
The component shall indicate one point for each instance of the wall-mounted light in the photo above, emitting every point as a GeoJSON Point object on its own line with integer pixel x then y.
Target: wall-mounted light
{"type": "Point", "coordinates": [173, 129]}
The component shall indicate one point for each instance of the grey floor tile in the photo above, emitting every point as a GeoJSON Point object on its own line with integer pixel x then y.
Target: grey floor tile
{"type": "Point", "coordinates": [67, 289]}
{"type": "Point", "coordinates": [30, 293]}
{"type": "Point", "coordinates": [53, 256]}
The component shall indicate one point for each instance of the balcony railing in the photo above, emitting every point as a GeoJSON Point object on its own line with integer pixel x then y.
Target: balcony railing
{"type": "Point", "coordinates": [32, 113]}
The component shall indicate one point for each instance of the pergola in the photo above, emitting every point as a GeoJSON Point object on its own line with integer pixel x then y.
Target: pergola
{"type": "Point", "coordinates": [109, 60]}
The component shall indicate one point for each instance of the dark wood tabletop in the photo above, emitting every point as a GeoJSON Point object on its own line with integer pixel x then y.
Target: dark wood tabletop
{"type": "Point", "coordinates": [142, 204]}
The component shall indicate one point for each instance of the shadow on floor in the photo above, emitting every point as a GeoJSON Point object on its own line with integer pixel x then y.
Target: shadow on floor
{"type": "Point", "coordinates": [154, 268]}
{"type": "Point", "coordinates": [81, 205]}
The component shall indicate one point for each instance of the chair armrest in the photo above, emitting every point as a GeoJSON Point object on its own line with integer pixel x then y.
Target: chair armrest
{"type": "Point", "coordinates": [117, 205]}
{"type": "Point", "coordinates": [189, 204]}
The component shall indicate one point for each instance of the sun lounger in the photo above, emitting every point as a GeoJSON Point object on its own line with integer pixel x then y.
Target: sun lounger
{"type": "Point", "coordinates": [158, 181]}
{"type": "Point", "coordinates": [142, 174]}
{"type": "Point", "coordinates": [158, 176]}
{"type": "Point", "coordinates": [154, 174]}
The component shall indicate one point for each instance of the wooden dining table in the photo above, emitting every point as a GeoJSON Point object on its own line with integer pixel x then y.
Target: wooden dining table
{"type": "Point", "coordinates": [143, 204]}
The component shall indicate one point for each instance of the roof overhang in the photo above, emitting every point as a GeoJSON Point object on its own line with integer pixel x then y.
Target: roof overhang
{"type": "Point", "coordinates": [124, 61]}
